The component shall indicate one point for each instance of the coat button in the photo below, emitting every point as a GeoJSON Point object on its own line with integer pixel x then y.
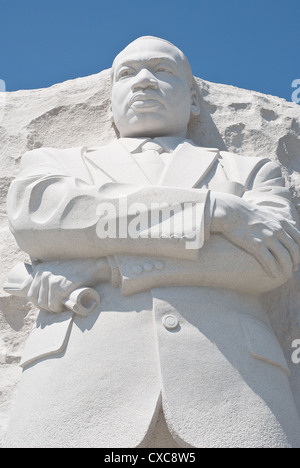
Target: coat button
{"type": "Point", "coordinates": [148, 267]}
{"type": "Point", "coordinates": [159, 265]}
{"type": "Point", "coordinates": [170, 322]}
{"type": "Point", "coordinates": [137, 269]}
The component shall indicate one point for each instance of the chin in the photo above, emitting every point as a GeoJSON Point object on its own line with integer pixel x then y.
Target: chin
{"type": "Point", "coordinates": [145, 125]}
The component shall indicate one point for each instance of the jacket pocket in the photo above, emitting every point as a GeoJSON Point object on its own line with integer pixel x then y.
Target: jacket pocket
{"type": "Point", "coordinates": [262, 342]}
{"type": "Point", "coordinates": [49, 337]}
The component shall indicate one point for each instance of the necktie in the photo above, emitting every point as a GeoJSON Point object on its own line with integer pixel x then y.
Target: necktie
{"type": "Point", "coordinates": [151, 162]}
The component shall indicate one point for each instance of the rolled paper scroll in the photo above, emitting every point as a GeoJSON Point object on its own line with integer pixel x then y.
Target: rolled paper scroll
{"type": "Point", "coordinates": [81, 301]}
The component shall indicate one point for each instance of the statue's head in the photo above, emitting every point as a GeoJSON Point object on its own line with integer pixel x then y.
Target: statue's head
{"type": "Point", "coordinates": [154, 92]}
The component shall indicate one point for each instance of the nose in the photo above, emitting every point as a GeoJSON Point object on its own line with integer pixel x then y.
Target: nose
{"type": "Point", "coordinates": [144, 79]}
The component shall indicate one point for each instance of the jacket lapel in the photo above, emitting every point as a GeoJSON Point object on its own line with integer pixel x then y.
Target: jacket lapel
{"type": "Point", "coordinates": [113, 163]}
{"type": "Point", "coordinates": [189, 165]}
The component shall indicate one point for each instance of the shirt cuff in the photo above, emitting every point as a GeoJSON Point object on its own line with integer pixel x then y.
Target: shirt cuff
{"type": "Point", "coordinates": [115, 271]}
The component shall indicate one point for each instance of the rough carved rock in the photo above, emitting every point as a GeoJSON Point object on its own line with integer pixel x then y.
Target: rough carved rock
{"type": "Point", "coordinates": [76, 113]}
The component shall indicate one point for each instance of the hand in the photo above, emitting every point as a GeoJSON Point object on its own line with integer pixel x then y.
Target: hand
{"type": "Point", "coordinates": [52, 282]}
{"type": "Point", "coordinates": [272, 240]}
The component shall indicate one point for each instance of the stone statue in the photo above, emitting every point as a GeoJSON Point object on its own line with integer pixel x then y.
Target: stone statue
{"type": "Point", "coordinates": [149, 256]}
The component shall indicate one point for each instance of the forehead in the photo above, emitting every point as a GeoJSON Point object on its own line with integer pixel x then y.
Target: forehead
{"type": "Point", "coordinates": [148, 49]}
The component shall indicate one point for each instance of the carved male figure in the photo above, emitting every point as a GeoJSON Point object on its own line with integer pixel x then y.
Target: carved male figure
{"type": "Point", "coordinates": [177, 328]}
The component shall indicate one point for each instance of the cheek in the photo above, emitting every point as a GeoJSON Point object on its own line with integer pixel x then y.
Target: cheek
{"type": "Point", "coordinates": [118, 97]}
{"type": "Point", "coordinates": [178, 94]}
{"type": "Point", "coordinates": [180, 107]}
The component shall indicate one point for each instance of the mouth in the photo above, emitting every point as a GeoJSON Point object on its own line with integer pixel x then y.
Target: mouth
{"type": "Point", "coordinates": [144, 100]}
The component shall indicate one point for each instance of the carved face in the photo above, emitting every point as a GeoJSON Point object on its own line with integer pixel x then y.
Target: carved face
{"type": "Point", "coordinates": [151, 93]}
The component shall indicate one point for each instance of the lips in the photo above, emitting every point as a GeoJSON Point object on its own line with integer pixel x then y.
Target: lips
{"type": "Point", "coordinates": [144, 100]}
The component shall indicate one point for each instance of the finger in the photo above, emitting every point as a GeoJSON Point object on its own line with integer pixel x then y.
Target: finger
{"type": "Point", "coordinates": [291, 247]}
{"type": "Point", "coordinates": [44, 291]}
{"type": "Point", "coordinates": [292, 231]}
{"type": "Point", "coordinates": [259, 251]}
{"type": "Point", "coordinates": [265, 258]}
{"type": "Point", "coordinates": [57, 293]}
{"type": "Point", "coordinates": [282, 256]}
{"type": "Point", "coordinates": [34, 290]}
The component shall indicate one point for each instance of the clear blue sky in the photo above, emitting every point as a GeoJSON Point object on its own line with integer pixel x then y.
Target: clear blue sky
{"type": "Point", "coordinates": [251, 44]}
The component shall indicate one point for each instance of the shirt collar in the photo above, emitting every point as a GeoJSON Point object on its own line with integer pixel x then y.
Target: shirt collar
{"type": "Point", "coordinates": [169, 143]}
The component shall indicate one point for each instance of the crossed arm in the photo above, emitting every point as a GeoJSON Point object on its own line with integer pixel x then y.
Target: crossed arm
{"type": "Point", "coordinates": [55, 216]}
{"type": "Point", "coordinates": [272, 240]}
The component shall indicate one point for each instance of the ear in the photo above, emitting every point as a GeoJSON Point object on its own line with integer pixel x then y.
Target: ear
{"type": "Point", "coordinates": [112, 121]}
{"type": "Point", "coordinates": [195, 103]}
{"type": "Point", "coordinates": [111, 117]}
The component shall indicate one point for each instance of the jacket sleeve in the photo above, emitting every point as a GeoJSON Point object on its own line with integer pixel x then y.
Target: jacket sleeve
{"type": "Point", "coordinates": [266, 188]}
{"type": "Point", "coordinates": [53, 210]}
{"type": "Point", "coordinates": [221, 263]}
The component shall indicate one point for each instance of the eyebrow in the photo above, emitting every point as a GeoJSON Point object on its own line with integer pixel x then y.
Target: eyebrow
{"type": "Point", "coordinates": [153, 60]}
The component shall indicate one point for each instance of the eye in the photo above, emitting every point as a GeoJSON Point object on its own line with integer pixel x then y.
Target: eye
{"type": "Point", "coordinates": [125, 73]}
{"type": "Point", "coordinates": [164, 69]}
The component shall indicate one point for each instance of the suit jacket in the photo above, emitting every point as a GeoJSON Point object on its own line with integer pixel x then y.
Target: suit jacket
{"type": "Point", "coordinates": [173, 320]}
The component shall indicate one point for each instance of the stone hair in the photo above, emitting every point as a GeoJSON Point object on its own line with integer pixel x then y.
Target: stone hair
{"type": "Point", "coordinates": [188, 69]}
